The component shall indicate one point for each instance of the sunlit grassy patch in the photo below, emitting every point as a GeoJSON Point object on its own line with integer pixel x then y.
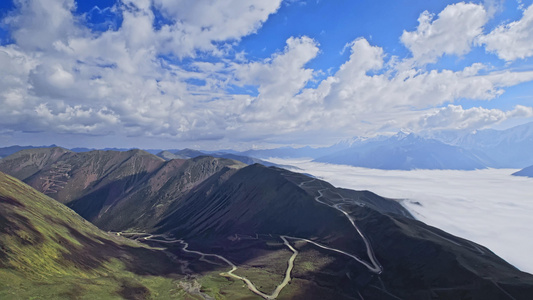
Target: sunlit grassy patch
{"type": "Point", "coordinates": [49, 252]}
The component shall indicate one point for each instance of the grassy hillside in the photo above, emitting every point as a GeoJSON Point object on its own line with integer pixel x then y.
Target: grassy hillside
{"type": "Point", "coordinates": [49, 252]}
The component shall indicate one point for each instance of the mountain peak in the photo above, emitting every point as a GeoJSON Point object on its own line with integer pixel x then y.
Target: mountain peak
{"type": "Point", "coordinates": [404, 135]}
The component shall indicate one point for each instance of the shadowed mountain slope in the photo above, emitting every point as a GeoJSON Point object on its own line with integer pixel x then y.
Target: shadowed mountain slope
{"type": "Point", "coordinates": [413, 260]}
{"type": "Point", "coordinates": [47, 251]}
{"type": "Point", "coordinates": [254, 200]}
{"type": "Point", "coordinates": [142, 203]}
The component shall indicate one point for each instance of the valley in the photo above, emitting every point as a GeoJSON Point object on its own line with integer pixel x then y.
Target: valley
{"type": "Point", "coordinates": [232, 231]}
{"type": "Point", "coordinates": [374, 266]}
{"type": "Point", "coordinates": [258, 278]}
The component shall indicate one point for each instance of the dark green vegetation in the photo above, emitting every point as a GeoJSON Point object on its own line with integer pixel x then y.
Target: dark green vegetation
{"type": "Point", "coordinates": [242, 214]}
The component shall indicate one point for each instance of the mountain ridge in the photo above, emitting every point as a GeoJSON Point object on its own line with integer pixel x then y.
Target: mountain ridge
{"type": "Point", "coordinates": [96, 183]}
{"type": "Point", "coordinates": [509, 148]}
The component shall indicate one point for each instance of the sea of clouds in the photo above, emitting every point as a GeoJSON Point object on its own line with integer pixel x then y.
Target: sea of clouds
{"type": "Point", "coordinates": [490, 207]}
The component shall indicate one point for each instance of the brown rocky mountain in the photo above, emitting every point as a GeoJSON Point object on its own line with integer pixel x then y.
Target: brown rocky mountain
{"type": "Point", "coordinates": [113, 189]}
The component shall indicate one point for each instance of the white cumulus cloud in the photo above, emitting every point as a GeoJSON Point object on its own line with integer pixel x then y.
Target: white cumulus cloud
{"type": "Point", "coordinates": [197, 24]}
{"type": "Point", "coordinates": [452, 32]}
{"type": "Point", "coordinates": [280, 77]}
{"type": "Point", "coordinates": [513, 40]}
{"type": "Point", "coordinates": [181, 79]}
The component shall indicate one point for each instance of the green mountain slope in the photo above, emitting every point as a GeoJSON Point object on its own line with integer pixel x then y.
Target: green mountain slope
{"type": "Point", "coordinates": [49, 252]}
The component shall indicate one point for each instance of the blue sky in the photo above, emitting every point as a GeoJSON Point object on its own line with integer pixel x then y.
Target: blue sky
{"type": "Point", "coordinates": [257, 73]}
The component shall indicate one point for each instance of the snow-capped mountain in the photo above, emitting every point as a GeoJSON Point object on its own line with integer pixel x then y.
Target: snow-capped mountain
{"type": "Point", "coordinates": [510, 148]}
{"type": "Point", "coordinates": [405, 151]}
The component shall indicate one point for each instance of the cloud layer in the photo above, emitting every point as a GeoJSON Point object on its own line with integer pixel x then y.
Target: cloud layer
{"type": "Point", "coordinates": [169, 70]}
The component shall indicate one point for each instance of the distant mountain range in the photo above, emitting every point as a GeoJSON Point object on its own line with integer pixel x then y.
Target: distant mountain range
{"type": "Point", "coordinates": [405, 152]}
{"type": "Point", "coordinates": [290, 152]}
{"type": "Point", "coordinates": [511, 148]}
{"type": "Point", "coordinates": [180, 154]}
{"type": "Point", "coordinates": [6, 151]}
{"type": "Point", "coordinates": [212, 215]}
{"type": "Point", "coordinates": [456, 150]}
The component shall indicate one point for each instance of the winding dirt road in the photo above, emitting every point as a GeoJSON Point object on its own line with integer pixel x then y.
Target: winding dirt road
{"type": "Point", "coordinates": [374, 266]}
{"type": "Point", "coordinates": [249, 284]}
